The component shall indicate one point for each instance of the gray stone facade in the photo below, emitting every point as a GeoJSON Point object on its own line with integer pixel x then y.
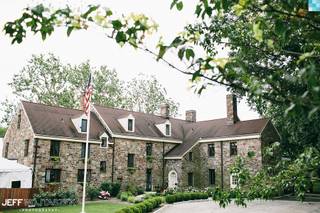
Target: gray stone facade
{"type": "Point", "coordinates": [116, 157]}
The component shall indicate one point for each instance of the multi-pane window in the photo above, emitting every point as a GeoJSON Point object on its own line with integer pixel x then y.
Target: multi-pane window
{"type": "Point", "coordinates": [104, 142]}
{"type": "Point", "coordinates": [103, 166]}
{"type": "Point", "coordinates": [190, 179]}
{"type": "Point", "coordinates": [80, 177]}
{"type": "Point", "coordinates": [233, 148]}
{"type": "Point", "coordinates": [167, 129]}
{"type": "Point", "coordinates": [130, 125]}
{"type": "Point", "coordinates": [234, 181]}
{"type": "Point", "coordinates": [130, 160]}
{"type": "Point", "coordinates": [19, 120]}
{"type": "Point", "coordinates": [52, 175]}
{"type": "Point", "coordinates": [26, 147]}
{"type": "Point", "coordinates": [55, 148]}
{"type": "Point", "coordinates": [83, 150]}
{"type": "Point", "coordinates": [212, 177]}
{"type": "Point", "coordinates": [190, 156]}
{"type": "Point", "coordinates": [84, 123]}
{"type": "Point", "coordinates": [149, 149]}
{"type": "Point", "coordinates": [211, 151]}
{"type": "Point", "coordinates": [6, 151]}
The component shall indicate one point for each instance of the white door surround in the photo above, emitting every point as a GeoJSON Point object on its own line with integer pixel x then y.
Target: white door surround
{"type": "Point", "coordinates": [172, 179]}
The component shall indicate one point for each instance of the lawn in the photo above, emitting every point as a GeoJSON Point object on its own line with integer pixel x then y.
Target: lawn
{"type": "Point", "coordinates": [96, 207]}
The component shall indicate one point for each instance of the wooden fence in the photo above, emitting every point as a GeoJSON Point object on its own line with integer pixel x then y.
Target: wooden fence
{"type": "Point", "coordinates": [16, 198]}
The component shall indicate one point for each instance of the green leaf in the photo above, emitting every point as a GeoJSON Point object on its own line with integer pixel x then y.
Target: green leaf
{"type": "Point", "coordinates": [69, 30]}
{"type": "Point", "coordinates": [181, 53]}
{"type": "Point", "coordinates": [176, 42]}
{"type": "Point", "coordinates": [90, 10]}
{"type": "Point", "coordinates": [198, 10]}
{"type": "Point", "coordinates": [121, 37]}
{"type": "Point", "coordinates": [162, 51]}
{"type": "Point", "coordinates": [179, 5]}
{"type": "Point", "coordinates": [257, 32]}
{"type": "Point", "coordinates": [189, 53]}
{"type": "Point", "coordinates": [116, 24]}
{"type": "Point", "coordinates": [174, 2]}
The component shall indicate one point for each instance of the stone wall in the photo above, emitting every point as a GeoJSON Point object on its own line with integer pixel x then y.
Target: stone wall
{"type": "Point", "coordinates": [70, 161]}
{"type": "Point", "coordinates": [137, 175]}
{"type": "Point", "coordinates": [16, 138]}
{"type": "Point", "coordinates": [201, 162]}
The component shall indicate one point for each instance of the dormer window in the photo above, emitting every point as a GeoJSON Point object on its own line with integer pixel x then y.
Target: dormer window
{"type": "Point", "coordinates": [104, 142]}
{"type": "Point", "coordinates": [127, 123]}
{"type": "Point", "coordinates": [168, 130]}
{"type": "Point", "coordinates": [130, 125]}
{"type": "Point", "coordinates": [84, 125]}
{"type": "Point", "coordinates": [165, 128]}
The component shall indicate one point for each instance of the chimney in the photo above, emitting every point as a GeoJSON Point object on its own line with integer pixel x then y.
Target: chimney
{"type": "Point", "coordinates": [164, 110]}
{"type": "Point", "coordinates": [191, 115]}
{"type": "Point", "coordinates": [232, 114]}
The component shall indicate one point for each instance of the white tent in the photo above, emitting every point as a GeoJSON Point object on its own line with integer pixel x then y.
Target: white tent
{"type": "Point", "coordinates": [14, 175]}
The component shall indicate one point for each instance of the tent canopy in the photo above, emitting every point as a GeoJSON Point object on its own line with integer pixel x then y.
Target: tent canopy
{"type": "Point", "coordinates": [11, 166]}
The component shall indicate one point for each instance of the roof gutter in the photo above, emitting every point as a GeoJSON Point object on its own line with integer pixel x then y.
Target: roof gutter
{"type": "Point", "coordinates": [147, 139]}
{"type": "Point", "coordinates": [46, 137]}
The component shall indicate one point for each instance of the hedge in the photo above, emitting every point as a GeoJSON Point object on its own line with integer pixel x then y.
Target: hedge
{"type": "Point", "coordinates": [184, 196]}
{"type": "Point", "coordinates": [143, 207]}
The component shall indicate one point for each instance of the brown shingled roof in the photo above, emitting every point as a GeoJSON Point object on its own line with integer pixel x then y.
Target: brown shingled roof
{"type": "Point", "coordinates": [56, 121]}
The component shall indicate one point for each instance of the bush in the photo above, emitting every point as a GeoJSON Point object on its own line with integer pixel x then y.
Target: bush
{"type": "Point", "coordinates": [131, 199]}
{"type": "Point", "coordinates": [92, 192]}
{"type": "Point", "coordinates": [142, 206]}
{"type": "Point", "coordinates": [140, 190]}
{"type": "Point", "coordinates": [106, 186]}
{"type": "Point", "coordinates": [57, 198]}
{"type": "Point", "coordinates": [316, 186]}
{"type": "Point", "coordinates": [125, 195]}
{"type": "Point", "coordinates": [115, 189]}
{"type": "Point", "coordinates": [131, 188]}
{"type": "Point", "coordinates": [170, 198]}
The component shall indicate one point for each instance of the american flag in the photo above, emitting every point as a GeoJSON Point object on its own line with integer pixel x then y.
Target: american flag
{"type": "Point", "coordinates": [87, 96]}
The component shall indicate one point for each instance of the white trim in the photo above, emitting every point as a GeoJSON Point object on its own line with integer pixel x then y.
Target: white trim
{"type": "Point", "coordinates": [256, 136]}
{"type": "Point", "coordinates": [173, 158]}
{"type": "Point", "coordinates": [147, 139]}
{"type": "Point", "coordinates": [65, 139]}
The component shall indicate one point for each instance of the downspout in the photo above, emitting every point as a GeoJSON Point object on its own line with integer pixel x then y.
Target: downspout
{"type": "Point", "coordinates": [221, 150]}
{"type": "Point", "coordinates": [34, 160]}
{"type": "Point", "coordinates": [163, 165]}
{"type": "Point", "coordinates": [112, 166]}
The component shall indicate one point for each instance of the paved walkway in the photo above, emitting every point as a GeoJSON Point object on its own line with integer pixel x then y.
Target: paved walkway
{"type": "Point", "coordinates": [278, 206]}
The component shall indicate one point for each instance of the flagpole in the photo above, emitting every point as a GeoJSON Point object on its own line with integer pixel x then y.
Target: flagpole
{"type": "Point", "coordinates": [86, 159]}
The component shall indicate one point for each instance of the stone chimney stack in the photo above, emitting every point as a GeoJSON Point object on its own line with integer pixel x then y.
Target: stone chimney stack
{"type": "Point", "coordinates": [232, 114]}
{"type": "Point", "coordinates": [191, 115]}
{"type": "Point", "coordinates": [164, 110]}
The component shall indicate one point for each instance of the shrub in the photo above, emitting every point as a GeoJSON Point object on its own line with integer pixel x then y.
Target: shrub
{"type": "Point", "coordinates": [170, 199]}
{"type": "Point", "coordinates": [142, 206]}
{"type": "Point", "coordinates": [149, 205]}
{"type": "Point", "coordinates": [92, 192]}
{"type": "Point", "coordinates": [131, 188]}
{"type": "Point", "coordinates": [140, 190]}
{"type": "Point", "coordinates": [131, 199]}
{"type": "Point", "coordinates": [57, 198]}
{"type": "Point", "coordinates": [115, 189]}
{"type": "Point", "coordinates": [135, 209]}
{"type": "Point", "coordinates": [127, 210]}
{"type": "Point", "coordinates": [186, 196]}
{"type": "Point", "coordinates": [106, 186]}
{"type": "Point", "coordinates": [125, 195]}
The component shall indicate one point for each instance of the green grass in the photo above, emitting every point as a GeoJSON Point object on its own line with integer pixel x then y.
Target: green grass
{"type": "Point", "coordinates": [98, 207]}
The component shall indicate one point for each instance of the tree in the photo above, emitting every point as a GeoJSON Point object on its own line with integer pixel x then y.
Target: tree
{"type": "Point", "coordinates": [273, 59]}
{"type": "Point", "coordinates": [146, 94]}
{"type": "Point", "coordinates": [45, 79]}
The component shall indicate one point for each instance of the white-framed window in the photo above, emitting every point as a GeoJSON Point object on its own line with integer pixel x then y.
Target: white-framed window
{"type": "Point", "coordinates": [165, 128]}
{"type": "Point", "coordinates": [104, 140]}
{"type": "Point", "coordinates": [234, 181]}
{"type": "Point", "coordinates": [128, 123]}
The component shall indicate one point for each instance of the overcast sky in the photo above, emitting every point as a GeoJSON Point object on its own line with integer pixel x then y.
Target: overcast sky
{"type": "Point", "coordinates": [93, 45]}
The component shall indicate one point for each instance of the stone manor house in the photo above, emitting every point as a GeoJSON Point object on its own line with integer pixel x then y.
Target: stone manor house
{"type": "Point", "coordinates": [149, 151]}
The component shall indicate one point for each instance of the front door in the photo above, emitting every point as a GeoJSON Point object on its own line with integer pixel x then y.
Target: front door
{"type": "Point", "coordinates": [172, 179]}
{"type": "Point", "coordinates": [149, 180]}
